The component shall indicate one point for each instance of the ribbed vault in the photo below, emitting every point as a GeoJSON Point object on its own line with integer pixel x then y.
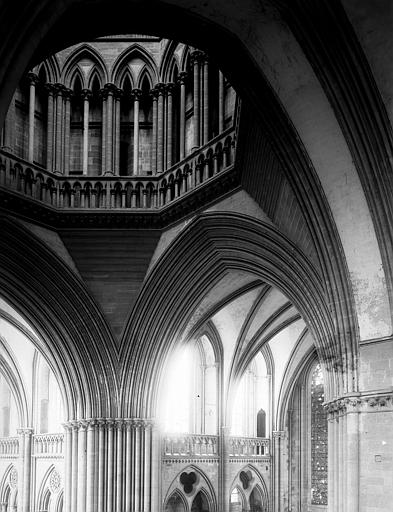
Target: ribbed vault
{"type": "Point", "coordinates": [217, 243]}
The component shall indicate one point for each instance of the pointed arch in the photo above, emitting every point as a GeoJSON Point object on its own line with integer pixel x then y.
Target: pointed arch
{"type": "Point", "coordinates": [48, 492]}
{"type": "Point", "coordinates": [121, 64]}
{"type": "Point", "coordinates": [177, 497]}
{"type": "Point", "coordinates": [13, 377]}
{"type": "Point", "coordinates": [77, 80]}
{"type": "Point", "coordinates": [168, 61]}
{"type": "Point", "coordinates": [144, 74]}
{"type": "Point", "coordinates": [5, 487]}
{"type": "Point", "coordinates": [51, 68]}
{"type": "Point", "coordinates": [75, 57]}
{"type": "Point", "coordinates": [95, 74]}
{"type": "Point", "coordinates": [185, 59]}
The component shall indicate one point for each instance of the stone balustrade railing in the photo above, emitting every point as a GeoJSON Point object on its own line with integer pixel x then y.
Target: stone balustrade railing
{"type": "Point", "coordinates": [45, 445]}
{"type": "Point", "coordinates": [119, 192]}
{"type": "Point", "coordinates": [9, 447]}
{"type": "Point", "coordinates": [190, 446]}
{"type": "Point", "coordinates": [249, 447]}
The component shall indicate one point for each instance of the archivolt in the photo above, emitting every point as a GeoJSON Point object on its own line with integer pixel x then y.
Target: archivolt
{"type": "Point", "coordinates": [212, 244]}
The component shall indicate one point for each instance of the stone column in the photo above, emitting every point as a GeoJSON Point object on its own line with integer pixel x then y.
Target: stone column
{"type": "Point", "coordinates": [67, 129]}
{"type": "Point", "coordinates": [111, 90]}
{"type": "Point", "coordinates": [224, 468]}
{"type": "Point", "coordinates": [33, 80]}
{"type": "Point", "coordinates": [82, 455]}
{"type": "Point", "coordinates": [154, 96]}
{"type": "Point", "coordinates": [101, 466]}
{"type": "Point", "coordinates": [278, 436]}
{"type": "Point", "coordinates": [58, 149]}
{"type": "Point", "coordinates": [182, 127]}
{"type": "Point", "coordinates": [195, 59]}
{"type": "Point", "coordinates": [169, 91]}
{"type": "Point", "coordinates": [50, 128]}
{"type": "Point", "coordinates": [160, 128]}
{"type": "Point", "coordinates": [136, 94]}
{"type": "Point", "coordinates": [205, 99]}
{"type": "Point", "coordinates": [118, 95]}
{"type": "Point", "coordinates": [90, 466]}
{"type": "Point", "coordinates": [221, 102]}
{"type": "Point", "coordinates": [68, 468]}
{"type": "Point", "coordinates": [26, 435]}
{"type": "Point", "coordinates": [103, 97]}
{"type": "Point", "coordinates": [86, 95]}
{"type": "Point", "coordinates": [119, 465]}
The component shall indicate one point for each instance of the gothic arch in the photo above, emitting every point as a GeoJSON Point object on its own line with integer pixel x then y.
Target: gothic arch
{"type": "Point", "coordinates": [202, 483]}
{"type": "Point", "coordinates": [178, 496]}
{"type": "Point", "coordinates": [145, 74]}
{"type": "Point", "coordinates": [121, 62]}
{"type": "Point", "coordinates": [169, 61]}
{"type": "Point", "coordinates": [72, 64]}
{"type": "Point", "coordinates": [253, 246]}
{"type": "Point", "coordinates": [52, 69]}
{"type": "Point", "coordinates": [49, 490]}
{"type": "Point", "coordinates": [14, 379]}
{"type": "Point", "coordinates": [9, 489]}
{"type": "Point", "coordinates": [43, 294]}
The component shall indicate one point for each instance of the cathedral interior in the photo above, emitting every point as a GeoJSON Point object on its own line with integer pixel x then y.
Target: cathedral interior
{"type": "Point", "coordinates": [196, 258]}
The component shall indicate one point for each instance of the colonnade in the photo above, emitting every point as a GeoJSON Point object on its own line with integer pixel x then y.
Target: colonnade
{"type": "Point", "coordinates": [112, 465]}
{"type": "Point", "coordinates": [170, 114]}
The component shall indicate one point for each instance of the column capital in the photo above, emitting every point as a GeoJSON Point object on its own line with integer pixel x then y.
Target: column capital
{"type": "Point", "coordinates": [50, 88]}
{"type": "Point", "coordinates": [196, 56]}
{"type": "Point", "coordinates": [359, 402]}
{"type": "Point", "coordinates": [68, 93]}
{"type": "Point", "coordinates": [170, 87]}
{"type": "Point", "coordinates": [25, 431]}
{"type": "Point", "coordinates": [136, 93]}
{"type": "Point", "coordinates": [160, 88]}
{"type": "Point", "coordinates": [86, 94]}
{"type": "Point", "coordinates": [278, 434]}
{"type": "Point", "coordinates": [153, 93]}
{"type": "Point", "coordinates": [181, 79]}
{"type": "Point", "coordinates": [32, 78]}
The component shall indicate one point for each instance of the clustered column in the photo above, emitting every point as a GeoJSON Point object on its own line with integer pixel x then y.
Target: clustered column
{"type": "Point", "coordinates": [25, 438]}
{"type": "Point", "coordinates": [343, 454]}
{"type": "Point", "coordinates": [111, 466]}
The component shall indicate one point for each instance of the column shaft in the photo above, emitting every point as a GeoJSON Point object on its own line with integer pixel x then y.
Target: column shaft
{"type": "Point", "coordinates": [169, 160]}
{"type": "Point", "coordinates": [33, 81]}
{"type": "Point", "coordinates": [49, 129]}
{"type": "Point", "coordinates": [103, 131]}
{"type": "Point", "coordinates": [86, 95]}
{"type": "Point", "coordinates": [101, 467]}
{"type": "Point", "coordinates": [119, 468]}
{"type": "Point", "coordinates": [136, 93]}
{"type": "Point", "coordinates": [81, 506]}
{"type": "Point", "coordinates": [110, 475]}
{"type": "Point", "coordinates": [67, 132]}
{"type": "Point", "coordinates": [205, 101]}
{"type": "Point", "coordinates": [59, 122]}
{"type": "Point", "coordinates": [160, 129]}
{"type": "Point", "coordinates": [196, 102]}
{"type": "Point", "coordinates": [68, 470]}
{"type": "Point", "coordinates": [182, 127]}
{"type": "Point", "coordinates": [117, 133]}
{"type": "Point", "coordinates": [221, 102]}
{"type": "Point", "coordinates": [75, 462]}
{"type": "Point", "coordinates": [90, 466]}
{"type": "Point", "coordinates": [154, 135]}
{"type": "Point", "coordinates": [109, 132]}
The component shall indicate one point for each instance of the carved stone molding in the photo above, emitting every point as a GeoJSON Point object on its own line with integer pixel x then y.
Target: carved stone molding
{"type": "Point", "coordinates": [360, 403]}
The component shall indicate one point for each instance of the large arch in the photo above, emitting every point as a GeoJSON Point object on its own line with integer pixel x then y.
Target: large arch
{"type": "Point", "coordinates": [51, 297]}
{"type": "Point", "coordinates": [216, 243]}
